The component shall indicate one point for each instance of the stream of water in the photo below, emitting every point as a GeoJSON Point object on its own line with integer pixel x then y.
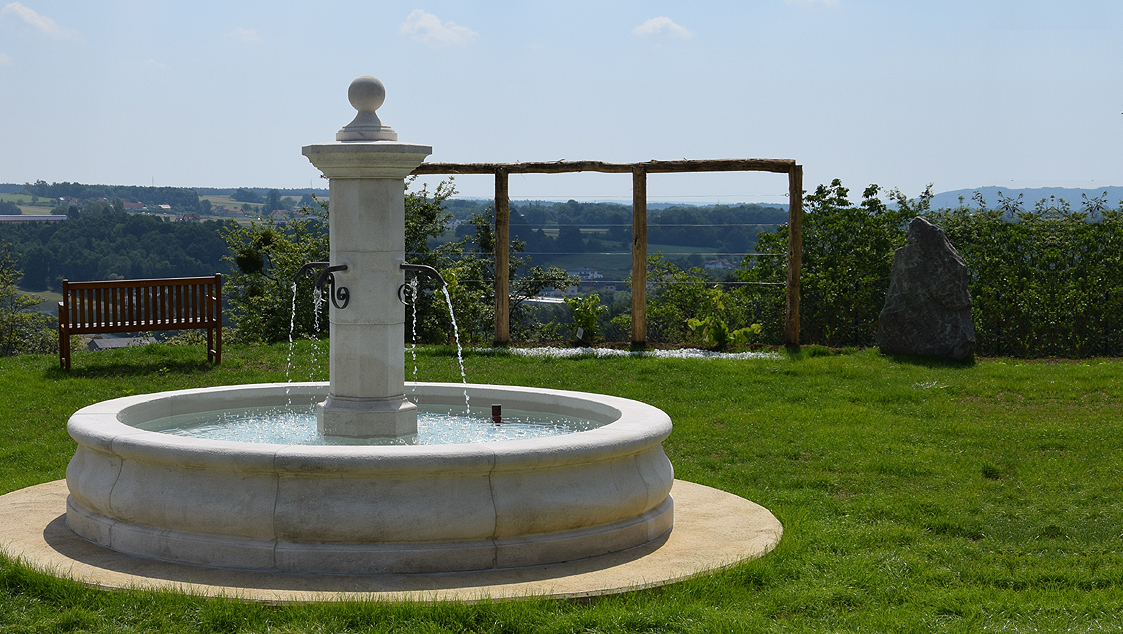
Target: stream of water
{"type": "Point", "coordinates": [459, 350]}
{"type": "Point", "coordinates": [317, 305]}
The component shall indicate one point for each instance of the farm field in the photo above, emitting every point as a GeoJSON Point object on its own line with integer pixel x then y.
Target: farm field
{"type": "Point", "coordinates": [227, 202]}
{"type": "Point", "coordinates": [24, 203]}
{"type": "Point", "coordinates": [48, 300]}
{"type": "Point", "coordinates": [916, 495]}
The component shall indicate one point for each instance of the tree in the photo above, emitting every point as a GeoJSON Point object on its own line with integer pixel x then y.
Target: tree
{"type": "Point", "coordinates": [524, 279]}
{"type": "Point", "coordinates": [9, 208]}
{"type": "Point", "coordinates": [273, 201]}
{"type": "Point", "coordinates": [243, 195]}
{"type": "Point", "coordinates": [570, 239]}
{"type": "Point", "coordinates": [23, 329]}
{"type": "Point", "coordinates": [266, 256]}
{"type": "Point", "coordinates": [468, 266]}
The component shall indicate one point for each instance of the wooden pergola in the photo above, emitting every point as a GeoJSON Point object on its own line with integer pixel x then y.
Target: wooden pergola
{"type": "Point", "coordinates": [639, 172]}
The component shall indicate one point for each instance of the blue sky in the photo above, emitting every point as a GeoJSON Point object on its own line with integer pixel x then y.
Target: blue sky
{"type": "Point", "coordinates": [900, 93]}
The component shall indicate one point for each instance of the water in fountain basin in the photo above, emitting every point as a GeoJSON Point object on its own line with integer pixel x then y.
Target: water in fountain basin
{"type": "Point", "coordinates": [297, 426]}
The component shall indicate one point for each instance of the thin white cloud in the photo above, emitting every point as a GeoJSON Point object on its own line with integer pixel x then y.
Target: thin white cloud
{"type": "Point", "coordinates": [428, 29]}
{"type": "Point", "coordinates": [813, 3]}
{"type": "Point", "coordinates": [663, 24]}
{"type": "Point", "coordinates": [4, 59]}
{"type": "Point", "coordinates": [151, 63]}
{"type": "Point", "coordinates": [248, 36]}
{"type": "Point", "coordinates": [41, 23]}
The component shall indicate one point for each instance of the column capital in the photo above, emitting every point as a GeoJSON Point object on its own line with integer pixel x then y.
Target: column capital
{"type": "Point", "coordinates": [366, 159]}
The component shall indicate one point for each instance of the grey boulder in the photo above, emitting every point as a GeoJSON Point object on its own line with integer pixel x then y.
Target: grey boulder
{"type": "Point", "coordinates": [928, 305]}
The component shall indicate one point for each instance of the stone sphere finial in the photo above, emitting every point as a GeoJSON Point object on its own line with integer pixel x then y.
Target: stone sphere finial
{"type": "Point", "coordinates": [366, 94]}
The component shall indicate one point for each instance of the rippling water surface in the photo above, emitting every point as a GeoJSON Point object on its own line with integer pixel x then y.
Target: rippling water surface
{"type": "Point", "coordinates": [297, 426]}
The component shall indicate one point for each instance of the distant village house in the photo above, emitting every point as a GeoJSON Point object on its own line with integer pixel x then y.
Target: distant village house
{"type": "Point", "coordinates": [585, 274]}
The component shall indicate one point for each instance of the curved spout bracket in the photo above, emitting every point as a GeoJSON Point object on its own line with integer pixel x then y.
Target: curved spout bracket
{"type": "Point", "coordinates": [415, 269]}
{"type": "Point", "coordinates": [424, 268]}
{"type": "Point", "coordinates": [340, 296]}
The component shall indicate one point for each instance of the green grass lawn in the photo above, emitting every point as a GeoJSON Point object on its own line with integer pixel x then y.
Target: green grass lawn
{"type": "Point", "coordinates": [915, 496]}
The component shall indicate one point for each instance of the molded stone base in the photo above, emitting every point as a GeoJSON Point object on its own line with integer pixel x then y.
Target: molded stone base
{"type": "Point", "coordinates": [216, 551]}
{"type": "Point", "coordinates": [393, 417]}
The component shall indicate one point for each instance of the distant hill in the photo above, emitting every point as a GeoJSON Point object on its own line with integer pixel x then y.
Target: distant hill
{"type": "Point", "coordinates": [261, 191]}
{"type": "Point", "coordinates": [1029, 196]}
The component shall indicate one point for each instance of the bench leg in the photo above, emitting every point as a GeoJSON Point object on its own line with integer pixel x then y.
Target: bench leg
{"type": "Point", "coordinates": [210, 345]}
{"type": "Point", "coordinates": [64, 348]}
{"type": "Point", "coordinates": [218, 346]}
{"type": "Point", "coordinates": [64, 332]}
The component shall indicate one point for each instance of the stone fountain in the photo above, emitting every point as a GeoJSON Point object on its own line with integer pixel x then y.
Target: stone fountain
{"type": "Point", "coordinates": [368, 509]}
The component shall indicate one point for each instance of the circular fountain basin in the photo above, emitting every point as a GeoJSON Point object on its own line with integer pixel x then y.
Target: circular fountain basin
{"type": "Point", "coordinates": [348, 509]}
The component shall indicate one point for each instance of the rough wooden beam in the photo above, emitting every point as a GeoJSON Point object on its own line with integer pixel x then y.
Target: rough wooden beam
{"type": "Point", "coordinates": [795, 253]}
{"type": "Point", "coordinates": [780, 166]}
{"type": "Point", "coordinates": [639, 257]}
{"type": "Point", "coordinates": [502, 259]}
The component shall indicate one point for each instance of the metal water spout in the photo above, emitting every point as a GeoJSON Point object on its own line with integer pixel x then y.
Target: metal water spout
{"type": "Point", "coordinates": [366, 167]}
{"type": "Point", "coordinates": [420, 268]}
{"type": "Point", "coordinates": [339, 296]}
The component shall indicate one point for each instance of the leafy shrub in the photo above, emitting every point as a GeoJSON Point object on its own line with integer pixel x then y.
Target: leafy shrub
{"type": "Point", "coordinates": [586, 310]}
{"type": "Point", "coordinates": [847, 260]}
{"type": "Point", "coordinates": [685, 307]}
{"type": "Point", "coordinates": [23, 330]}
{"type": "Point", "coordinates": [1044, 282]}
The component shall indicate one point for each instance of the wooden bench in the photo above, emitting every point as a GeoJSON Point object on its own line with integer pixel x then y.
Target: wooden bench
{"type": "Point", "coordinates": [180, 303]}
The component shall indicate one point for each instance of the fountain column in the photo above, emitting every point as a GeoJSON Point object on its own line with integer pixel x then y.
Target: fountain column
{"type": "Point", "coordinates": [366, 167]}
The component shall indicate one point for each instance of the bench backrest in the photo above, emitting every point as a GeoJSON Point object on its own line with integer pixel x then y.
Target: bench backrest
{"type": "Point", "coordinates": [131, 305]}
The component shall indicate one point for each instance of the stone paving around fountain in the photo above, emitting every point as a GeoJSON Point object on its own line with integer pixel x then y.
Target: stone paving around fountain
{"type": "Point", "coordinates": [713, 530]}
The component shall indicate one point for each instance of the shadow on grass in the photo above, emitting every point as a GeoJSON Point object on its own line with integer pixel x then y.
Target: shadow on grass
{"type": "Point", "coordinates": [810, 351]}
{"type": "Point", "coordinates": [156, 366]}
{"type": "Point", "coordinates": [929, 362]}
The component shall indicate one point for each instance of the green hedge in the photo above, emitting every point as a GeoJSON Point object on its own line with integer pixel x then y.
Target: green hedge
{"type": "Point", "coordinates": [1045, 283]}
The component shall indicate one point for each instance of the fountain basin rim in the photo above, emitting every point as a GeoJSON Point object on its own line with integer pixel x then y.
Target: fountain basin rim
{"type": "Point", "coordinates": [348, 509]}
{"type": "Point", "coordinates": [630, 426]}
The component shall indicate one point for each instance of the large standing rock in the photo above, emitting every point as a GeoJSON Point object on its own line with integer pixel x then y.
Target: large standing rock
{"type": "Point", "coordinates": [928, 306]}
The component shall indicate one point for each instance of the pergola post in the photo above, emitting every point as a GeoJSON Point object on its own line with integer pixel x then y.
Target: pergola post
{"type": "Point", "coordinates": [795, 253]}
{"type": "Point", "coordinates": [639, 256]}
{"type": "Point", "coordinates": [502, 259]}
